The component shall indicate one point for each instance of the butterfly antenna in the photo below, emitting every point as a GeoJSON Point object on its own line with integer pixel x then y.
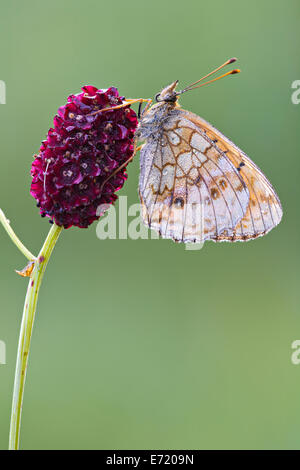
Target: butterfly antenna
{"type": "Point", "coordinates": [192, 85]}
{"type": "Point", "coordinates": [232, 72]}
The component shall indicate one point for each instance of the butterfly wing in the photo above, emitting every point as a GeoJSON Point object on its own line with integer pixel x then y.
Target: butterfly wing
{"type": "Point", "coordinates": [189, 190]}
{"type": "Point", "coordinates": [264, 211]}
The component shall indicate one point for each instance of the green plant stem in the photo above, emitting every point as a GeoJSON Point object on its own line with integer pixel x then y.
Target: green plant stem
{"type": "Point", "coordinates": [6, 224]}
{"type": "Point", "coordinates": [26, 332]}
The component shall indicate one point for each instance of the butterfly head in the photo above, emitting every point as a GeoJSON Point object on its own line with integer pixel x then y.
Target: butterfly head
{"type": "Point", "coordinates": [168, 94]}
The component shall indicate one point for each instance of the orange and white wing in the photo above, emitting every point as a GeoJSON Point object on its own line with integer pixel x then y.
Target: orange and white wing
{"type": "Point", "coordinates": [189, 190]}
{"type": "Point", "coordinates": [264, 211]}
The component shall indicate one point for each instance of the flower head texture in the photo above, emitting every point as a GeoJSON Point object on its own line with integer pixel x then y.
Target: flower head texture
{"type": "Point", "coordinates": [76, 169]}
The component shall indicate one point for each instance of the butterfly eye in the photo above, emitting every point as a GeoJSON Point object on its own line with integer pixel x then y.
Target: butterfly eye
{"type": "Point", "coordinates": [172, 98]}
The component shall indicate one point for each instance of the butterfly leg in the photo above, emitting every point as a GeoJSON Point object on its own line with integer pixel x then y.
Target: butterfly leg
{"type": "Point", "coordinates": [128, 102]}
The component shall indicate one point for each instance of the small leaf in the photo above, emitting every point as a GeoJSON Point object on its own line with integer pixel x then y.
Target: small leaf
{"type": "Point", "coordinates": [26, 272]}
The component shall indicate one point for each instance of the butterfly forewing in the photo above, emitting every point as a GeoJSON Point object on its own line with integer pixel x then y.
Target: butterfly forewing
{"type": "Point", "coordinates": [190, 191]}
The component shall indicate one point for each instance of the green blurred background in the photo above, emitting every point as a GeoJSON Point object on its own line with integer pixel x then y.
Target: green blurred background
{"type": "Point", "coordinates": [142, 344]}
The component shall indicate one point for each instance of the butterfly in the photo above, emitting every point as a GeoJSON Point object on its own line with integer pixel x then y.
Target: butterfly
{"type": "Point", "coordinates": [195, 184]}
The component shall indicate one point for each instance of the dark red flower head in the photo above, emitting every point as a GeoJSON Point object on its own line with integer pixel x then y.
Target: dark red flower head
{"type": "Point", "coordinates": [76, 170]}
